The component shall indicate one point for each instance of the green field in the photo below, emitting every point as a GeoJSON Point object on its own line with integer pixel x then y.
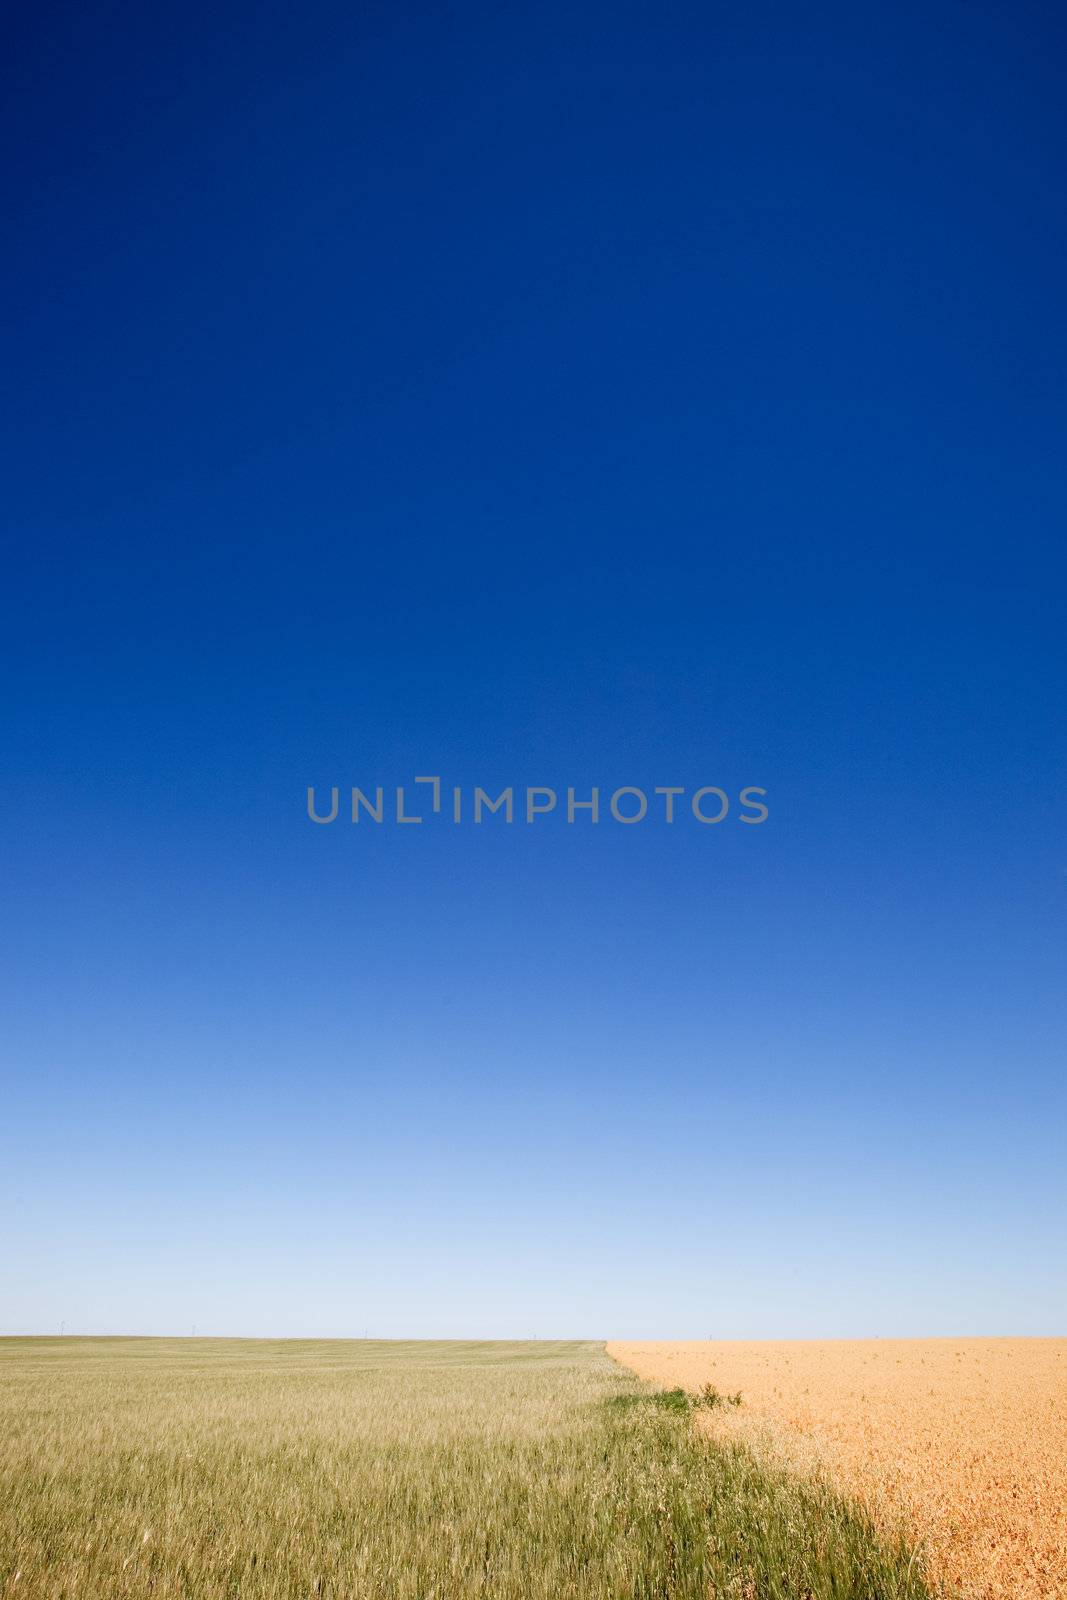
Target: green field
{"type": "Point", "coordinates": [405, 1471]}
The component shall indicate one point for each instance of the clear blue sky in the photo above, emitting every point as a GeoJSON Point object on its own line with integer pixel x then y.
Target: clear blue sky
{"type": "Point", "coordinates": [629, 394]}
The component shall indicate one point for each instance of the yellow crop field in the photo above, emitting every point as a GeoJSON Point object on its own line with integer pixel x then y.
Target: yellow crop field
{"type": "Point", "coordinates": [966, 1439]}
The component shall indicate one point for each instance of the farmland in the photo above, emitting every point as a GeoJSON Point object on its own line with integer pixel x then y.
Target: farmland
{"type": "Point", "coordinates": [964, 1438]}
{"type": "Point", "coordinates": [391, 1471]}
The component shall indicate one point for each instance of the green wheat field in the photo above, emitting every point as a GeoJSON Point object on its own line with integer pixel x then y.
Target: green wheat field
{"type": "Point", "coordinates": [407, 1471]}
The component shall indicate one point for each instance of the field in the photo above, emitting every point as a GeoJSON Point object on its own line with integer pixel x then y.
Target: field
{"type": "Point", "coordinates": [966, 1438]}
{"type": "Point", "coordinates": [391, 1471]}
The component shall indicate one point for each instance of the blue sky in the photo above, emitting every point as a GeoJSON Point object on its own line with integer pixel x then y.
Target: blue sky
{"type": "Point", "coordinates": [618, 395]}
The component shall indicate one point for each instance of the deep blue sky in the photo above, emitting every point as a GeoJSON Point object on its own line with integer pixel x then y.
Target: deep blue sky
{"type": "Point", "coordinates": [553, 395]}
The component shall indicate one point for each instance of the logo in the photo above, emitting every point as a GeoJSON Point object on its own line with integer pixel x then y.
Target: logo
{"type": "Point", "coordinates": [459, 805]}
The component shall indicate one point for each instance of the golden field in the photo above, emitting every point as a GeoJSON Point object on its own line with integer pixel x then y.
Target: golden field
{"type": "Point", "coordinates": [965, 1439]}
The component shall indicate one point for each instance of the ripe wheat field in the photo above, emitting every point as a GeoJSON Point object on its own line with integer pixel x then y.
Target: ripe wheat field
{"type": "Point", "coordinates": [357, 1470]}
{"type": "Point", "coordinates": [965, 1439]}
